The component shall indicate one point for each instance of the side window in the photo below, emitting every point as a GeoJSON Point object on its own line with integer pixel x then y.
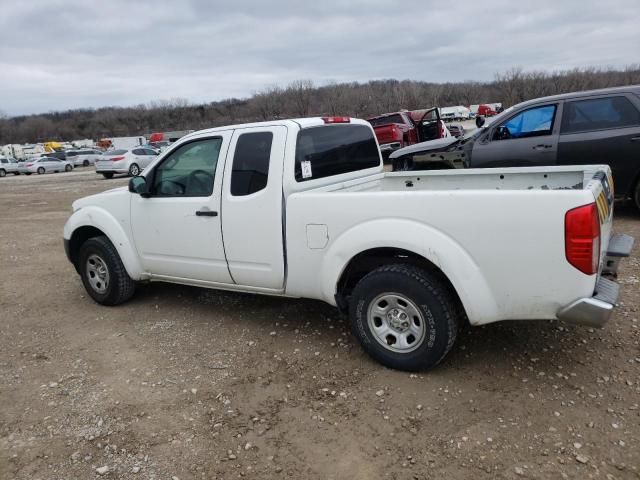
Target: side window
{"type": "Point", "coordinates": [189, 170]}
{"type": "Point", "coordinates": [251, 163]}
{"type": "Point", "coordinates": [138, 151]}
{"type": "Point", "coordinates": [599, 114]}
{"type": "Point", "coordinates": [148, 151]}
{"type": "Point", "coordinates": [534, 122]}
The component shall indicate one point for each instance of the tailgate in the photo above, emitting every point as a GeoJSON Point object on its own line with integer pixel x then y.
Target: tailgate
{"type": "Point", "coordinates": [387, 133]}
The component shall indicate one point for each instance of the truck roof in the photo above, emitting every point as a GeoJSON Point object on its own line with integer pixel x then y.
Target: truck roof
{"type": "Point", "coordinates": [293, 122]}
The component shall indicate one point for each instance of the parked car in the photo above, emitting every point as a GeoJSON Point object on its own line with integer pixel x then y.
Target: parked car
{"type": "Point", "coordinates": [60, 155]}
{"type": "Point", "coordinates": [8, 165]}
{"type": "Point", "coordinates": [84, 157]}
{"type": "Point", "coordinates": [44, 165]}
{"type": "Point", "coordinates": [130, 161]}
{"type": "Point", "coordinates": [399, 129]}
{"type": "Point", "coordinates": [308, 211]}
{"type": "Point", "coordinates": [456, 130]}
{"type": "Point", "coordinates": [580, 128]}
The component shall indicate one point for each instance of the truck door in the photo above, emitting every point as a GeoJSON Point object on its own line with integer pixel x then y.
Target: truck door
{"type": "Point", "coordinates": [252, 217]}
{"type": "Point", "coordinates": [603, 129]}
{"type": "Point", "coordinates": [177, 229]}
{"type": "Point", "coordinates": [528, 138]}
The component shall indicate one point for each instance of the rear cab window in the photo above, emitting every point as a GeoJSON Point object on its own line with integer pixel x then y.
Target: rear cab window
{"type": "Point", "coordinates": [330, 150]}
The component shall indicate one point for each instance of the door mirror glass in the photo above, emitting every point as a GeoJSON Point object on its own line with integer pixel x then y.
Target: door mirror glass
{"type": "Point", "coordinates": [479, 121]}
{"type": "Point", "coordinates": [138, 185]}
{"type": "Point", "coordinates": [502, 133]}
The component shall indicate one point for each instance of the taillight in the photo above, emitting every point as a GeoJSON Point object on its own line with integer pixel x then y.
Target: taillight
{"type": "Point", "coordinates": [29, 165]}
{"type": "Point", "coordinates": [582, 238]}
{"type": "Point", "coordinates": [117, 159]}
{"type": "Point", "coordinates": [441, 129]}
{"type": "Point", "coordinates": [336, 119]}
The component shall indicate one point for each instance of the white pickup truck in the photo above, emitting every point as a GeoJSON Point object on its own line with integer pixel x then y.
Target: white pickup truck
{"type": "Point", "coordinates": [303, 208]}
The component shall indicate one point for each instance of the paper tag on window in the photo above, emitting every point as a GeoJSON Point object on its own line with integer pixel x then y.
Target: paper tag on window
{"type": "Point", "coordinates": [306, 169]}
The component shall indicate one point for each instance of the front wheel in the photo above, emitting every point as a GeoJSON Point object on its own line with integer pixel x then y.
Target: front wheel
{"type": "Point", "coordinates": [134, 170]}
{"type": "Point", "coordinates": [41, 170]}
{"type": "Point", "coordinates": [85, 163]}
{"type": "Point", "coordinates": [103, 273]}
{"type": "Point", "coordinates": [3, 173]}
{"type": "Point", "coordinates": [67, 168]}
{"type": "Point", "coordinates": [404, 316]}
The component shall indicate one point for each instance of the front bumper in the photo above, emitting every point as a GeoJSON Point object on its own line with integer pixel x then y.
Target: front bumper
{"type": "Point", "coordinates": [596, 310]}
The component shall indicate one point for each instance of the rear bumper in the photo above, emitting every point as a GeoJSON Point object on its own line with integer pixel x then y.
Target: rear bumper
{"type": "Point", "coordinates": [593, 311]}
{"type": "Point", "coordinates": [596, 310]}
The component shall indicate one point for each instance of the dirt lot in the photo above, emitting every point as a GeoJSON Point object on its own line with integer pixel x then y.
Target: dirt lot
{"type": "Point", "coordinates": [191, 383]}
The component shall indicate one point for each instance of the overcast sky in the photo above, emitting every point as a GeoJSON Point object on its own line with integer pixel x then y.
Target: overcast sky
{"type": "Point", "coordinates": [62, 54]}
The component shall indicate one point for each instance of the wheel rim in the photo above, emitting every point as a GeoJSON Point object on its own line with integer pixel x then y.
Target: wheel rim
{"type": "Point", "coordinates": [134, 170]}
{"type": "Point", "coordinates": [67, 168]}
{"type": "Point", "coordinates": [97, 273]}
{"type": "Point", "coordinates": [396, 322]}
{"type": "Point", "coordinates": [2, 173]}
{"type": "Point", "coordinates": [41, 170]}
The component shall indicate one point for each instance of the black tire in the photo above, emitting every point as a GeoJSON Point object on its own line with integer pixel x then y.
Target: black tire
{"type": "Point", "coordinates": [16, 173]}
{"type": "Point", "coordinates": [134, 170]}
{"type": "Point", "coordinates": [41, 170]}
{"type": "Point", "coordinates": [85, 163]}
{"type": "Point", "coordinates": [403, 164]}
{"type": "Point", "coordinates": [636, 195]}
{"type": "Point", "coordinates": [119, 286]}
{"type": "Point", "coordinates": [107, 175]}
{"type": "Point", "coordinates": [27, 173]}
{"type": "Point", "coordinates": [3, 172]}
{"type": "Point", "coordinates": [68, 168]}
{"type": "Point", "coordinates": [432, 299]}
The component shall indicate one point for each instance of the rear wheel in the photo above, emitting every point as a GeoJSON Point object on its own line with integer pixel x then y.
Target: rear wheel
{"type": "Point", "coordinates": [107, 175]}
{"type": "Point", "coordinates": [636, 195]}
{"type": "Point", "coordinates": [67, 168]}
{"type": "Point", "coordinates": [85, 163]}
{"type": "Point", "coordinates": [40, 170]}
{"type": "Point", "coordinates": [3, 172]}
{"type": "Point", "coordinates": [134, 170]}
{"type": "Point", "coordinates": [402, 164]}
{"type": "Point", "coordinates": [404, 316]}
{"type": "Point", "coordinates": [103, 274]}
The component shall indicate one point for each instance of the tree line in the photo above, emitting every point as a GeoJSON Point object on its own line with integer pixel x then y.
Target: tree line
{"type": "Point", "coordinates": [303, 98]}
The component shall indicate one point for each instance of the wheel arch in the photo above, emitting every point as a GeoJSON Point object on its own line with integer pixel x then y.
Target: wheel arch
{"type": "Point", "coordinates": [90, 222]}
{"type": "Point", "coordinates": [368, 246]}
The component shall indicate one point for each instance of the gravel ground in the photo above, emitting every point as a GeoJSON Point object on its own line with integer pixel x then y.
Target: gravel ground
{"type": "Point", "coordinates": [191, 383]}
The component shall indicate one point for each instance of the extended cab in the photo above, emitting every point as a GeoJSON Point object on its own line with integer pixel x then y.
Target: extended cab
{"type": "Point", "coordinates": [303, 208]}
{"type": "Point", "coordinates": [401, 129]}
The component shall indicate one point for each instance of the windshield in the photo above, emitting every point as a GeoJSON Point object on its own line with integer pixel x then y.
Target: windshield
{"type": "Point", "coordinates": [386, 120]}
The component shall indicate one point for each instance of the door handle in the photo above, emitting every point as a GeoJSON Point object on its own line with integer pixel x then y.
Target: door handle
{"type": "Point", "coordinates": [541, 147]}
{"type": "Point", "coordinates": [206, 213]}
{"type": "Point", "coordinates": [635, 139]}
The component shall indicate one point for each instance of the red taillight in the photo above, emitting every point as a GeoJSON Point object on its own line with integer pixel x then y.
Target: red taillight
{"type": "Point", "coordinates": [336, 119]}
{"type": "Point", "coordinates": [441, 130]}
{"type": "Point", "coordinates": [29, 165]}
{"type": "Point", "coordinates": [582, 238]}
{"type": "Point", "coordinates": [117, 159]}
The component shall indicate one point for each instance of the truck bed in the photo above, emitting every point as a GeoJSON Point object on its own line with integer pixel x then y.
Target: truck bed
{"type": "Point", "coordinates": [501, 230]}
{"type": "Point", "coordinates": [531, 178]}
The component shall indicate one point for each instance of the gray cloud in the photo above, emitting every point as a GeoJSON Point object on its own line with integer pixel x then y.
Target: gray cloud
{"type": "Point", "coordinates": [70, 54]}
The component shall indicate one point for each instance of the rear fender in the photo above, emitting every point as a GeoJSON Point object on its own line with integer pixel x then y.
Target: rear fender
{"type": "Point", "coordinates": [431, 244]}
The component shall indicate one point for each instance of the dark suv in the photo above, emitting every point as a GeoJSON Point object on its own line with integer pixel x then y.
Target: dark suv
{"type": "Point", "coordinates": [593, 127]}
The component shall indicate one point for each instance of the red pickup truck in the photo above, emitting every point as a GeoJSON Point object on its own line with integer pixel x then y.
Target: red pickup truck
{"type": "Point", "coordinates": [401, 129]}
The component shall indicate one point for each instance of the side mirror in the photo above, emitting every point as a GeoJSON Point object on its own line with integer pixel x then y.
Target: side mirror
{"type": "Point", "coordinates": [503, 133]}
{"type": "Point", "coordinates": [138, 184]}
{"type": "Point", "coordinates": [480, 121]}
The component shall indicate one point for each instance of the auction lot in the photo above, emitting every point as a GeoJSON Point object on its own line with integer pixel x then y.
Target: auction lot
{"type": "Point", "coordinates": [193, 383]}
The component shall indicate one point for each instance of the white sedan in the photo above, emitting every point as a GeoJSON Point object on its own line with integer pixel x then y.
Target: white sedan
{"type": "Point", "coordinates": [131, 161]}
{"type": "Point", "coordinates": [44, 165]}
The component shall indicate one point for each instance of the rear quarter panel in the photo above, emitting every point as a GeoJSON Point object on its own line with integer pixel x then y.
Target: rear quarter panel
{"type": "Point", "coordinates": [503, 251]}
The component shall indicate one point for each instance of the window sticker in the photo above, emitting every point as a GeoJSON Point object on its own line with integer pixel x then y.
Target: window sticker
{"type": "Point", "coordinates": [306, 169]}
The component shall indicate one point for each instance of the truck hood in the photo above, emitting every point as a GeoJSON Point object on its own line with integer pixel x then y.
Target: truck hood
{"type": "Point", "coordinates": [101, 199]}
{"type": "Point", "coordinates": [429, 145]}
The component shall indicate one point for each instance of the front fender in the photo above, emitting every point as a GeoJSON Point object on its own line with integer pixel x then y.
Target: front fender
{"type": "Point", "coordinates": [443, 251]}
{"type": "Point", "coordinates": [101, 219]}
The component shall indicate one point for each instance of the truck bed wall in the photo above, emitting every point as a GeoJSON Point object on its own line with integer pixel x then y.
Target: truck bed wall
{"type": "Point", "coordinates": [503, 251]}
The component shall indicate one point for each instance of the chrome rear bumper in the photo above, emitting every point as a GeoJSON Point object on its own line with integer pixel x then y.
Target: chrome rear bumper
{"type": "Point", "coordinates": [596, 310]}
